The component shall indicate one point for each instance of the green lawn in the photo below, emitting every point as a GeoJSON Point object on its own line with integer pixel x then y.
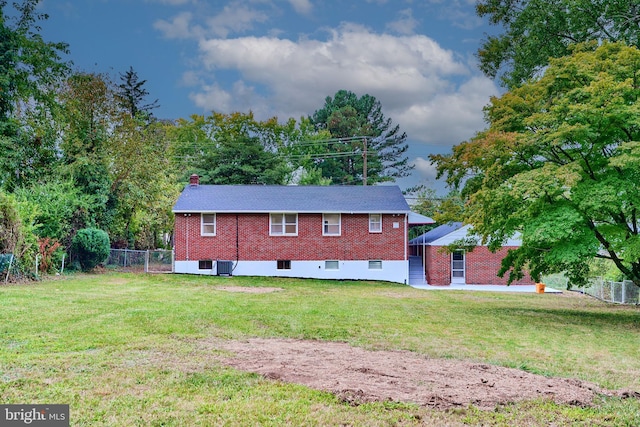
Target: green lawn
{"type": "Point", "coordinates": [122, 349]}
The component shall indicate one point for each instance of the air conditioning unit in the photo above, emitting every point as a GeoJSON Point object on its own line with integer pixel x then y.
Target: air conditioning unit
{"type": "Point", "coordinates": [224, 268]}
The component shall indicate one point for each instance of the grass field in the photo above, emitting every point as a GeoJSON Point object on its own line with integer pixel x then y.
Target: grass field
{"type": "Point", "coordinates": [122, 349]}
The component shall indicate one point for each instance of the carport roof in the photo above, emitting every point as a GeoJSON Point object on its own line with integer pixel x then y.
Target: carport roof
{"type": "Point", "coordinates": [436, 233]}
{"type": "Point", "coordinates": [418, 219]}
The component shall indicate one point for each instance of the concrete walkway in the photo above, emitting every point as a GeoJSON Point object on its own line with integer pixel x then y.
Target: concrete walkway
{"type": "Point", "coordinates": [490, 288]}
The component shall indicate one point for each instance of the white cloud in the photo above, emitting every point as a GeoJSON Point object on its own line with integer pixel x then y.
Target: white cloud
{"type": "Point", "coordinates": [180, 27]}
{"type": "Point", "coordinates": [190, 79]}
{"type": "Point", "coordinates": [232, 18]}
{"type": "Point", "coordinates": [399, 71]}
{"type": "Point", "coordinates": [302, 7]}
{"type": "Point", "coordinates": [214, 96]}
{"type": "Point", "coordinates": [425, 169]}
{"type": "Point", "coordinates": [449, 117]}
{"type": "Point", "coordinates": [235, 18]}
{"type": "Point", "coordinates": [461, 13]}
{"type": "Point", "coordinates": [405, 24]}
{"type": "Point", "coordinates": [415, 79]}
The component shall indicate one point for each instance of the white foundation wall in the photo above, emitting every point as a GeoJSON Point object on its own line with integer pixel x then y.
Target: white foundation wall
{"type": "Point", "coordinates": [391, 271]}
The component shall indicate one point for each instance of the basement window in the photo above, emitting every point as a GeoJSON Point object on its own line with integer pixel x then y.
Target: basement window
{"type": "Point", "coordinates": [375, 264]}
{"type": "Point", "coordinates": [332, 265]}
{"type": "Point", "coordinates": [205, 264]}
{"type": "Point", "coordinates": [284, 264]}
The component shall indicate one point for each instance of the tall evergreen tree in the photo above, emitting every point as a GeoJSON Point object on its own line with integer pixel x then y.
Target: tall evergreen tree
{"type": "Point", "coordinates": [132, 94]}
{"type": "Point", "coordinates": [359, 132]}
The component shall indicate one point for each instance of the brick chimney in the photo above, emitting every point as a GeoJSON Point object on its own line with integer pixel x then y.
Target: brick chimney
{"type": "Point", "coordinates": [194, 180]}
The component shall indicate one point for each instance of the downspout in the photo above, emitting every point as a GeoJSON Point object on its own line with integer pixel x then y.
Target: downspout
{"type": "Point", "coordinates": [237, 245]}
{"type": "Point", "coordinates": [424, 259]}
{"type": "Point", "coordinates": [186, 233]}
{"type": "Point", "coordinates": [406, 247]}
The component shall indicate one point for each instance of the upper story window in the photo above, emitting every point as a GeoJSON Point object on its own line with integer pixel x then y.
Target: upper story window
{"type": "Point", "coordinates": [331, 224]}
{"type": "Point", "coordinates": [375, 223]}
{"type": "Point", "coordinates": [281, 224]}
{"type": "Point", "coordinates": [208, 224]}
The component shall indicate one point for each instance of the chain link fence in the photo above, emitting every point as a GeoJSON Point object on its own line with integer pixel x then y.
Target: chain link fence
{"type": "Point", "coordinates": [625, 292]}
{"type": "Point", "coordinates": [6, 265]}
{"type": "Point", "coordinates": [150, 261]}
{"type": "Point", "coordinates": [14, 269]}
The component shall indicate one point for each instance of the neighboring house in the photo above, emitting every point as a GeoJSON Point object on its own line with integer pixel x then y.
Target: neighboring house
{"type": "Point", "coordinates": [478, 267]}
{"type": "Point", "coordinates": [327, 232]}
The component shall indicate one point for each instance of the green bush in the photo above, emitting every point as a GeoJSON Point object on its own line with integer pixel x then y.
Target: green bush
{"type": "Point", "coordinates": [90, 247]}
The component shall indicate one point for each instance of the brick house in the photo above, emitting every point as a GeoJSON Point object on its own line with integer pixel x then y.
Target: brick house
{"type": "Point", "coordinates": [326, 232]}
{"type": "Point", "coordinates": [477, 267]}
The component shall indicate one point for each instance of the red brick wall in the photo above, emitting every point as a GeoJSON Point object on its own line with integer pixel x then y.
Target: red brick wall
{"type": "Point", "coordinates": [255, 244]}
{"type": "Point", "coordinates": [437, 266]}
{"type": "Point", "coordinates": [481, 267]}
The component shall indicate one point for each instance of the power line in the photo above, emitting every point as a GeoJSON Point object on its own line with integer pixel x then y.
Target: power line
{"type": "Point", "coordinates": [210, 143]}
{"type": "Point", "coordinates": [308, 143]}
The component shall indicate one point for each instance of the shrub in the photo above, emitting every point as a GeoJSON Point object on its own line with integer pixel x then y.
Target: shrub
{"type": "Point", "coordinates": [91, 247]}
{"type": "Point", "coordinates": [47, 249]}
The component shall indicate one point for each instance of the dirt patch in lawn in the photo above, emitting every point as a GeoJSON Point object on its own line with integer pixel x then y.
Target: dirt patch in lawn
{"type": "Point", "coordinates": [358, 376]}
{"type": "Point", "coordinates": [248, 289]}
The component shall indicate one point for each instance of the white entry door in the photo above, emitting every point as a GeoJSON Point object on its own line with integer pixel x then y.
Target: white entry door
{"type": "Point", "coordinates": [457, 267]}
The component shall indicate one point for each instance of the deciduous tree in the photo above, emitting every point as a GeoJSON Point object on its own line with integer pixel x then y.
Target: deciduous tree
{"type": "Point", "coordinates": [535, 30]}
{"type": "Point", "coordinates": [560, 163]}
{"type": "Point", "coordinates": [90, 117]}
{"type": "Point", "coordinates": [142, 184]}
{"type": "Point", "coordinates": [229, 149]}
{"type": "Point", "coordinates": [30, 69]}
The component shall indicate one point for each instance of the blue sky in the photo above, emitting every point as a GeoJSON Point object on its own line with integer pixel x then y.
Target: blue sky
{"type": "Point", "coordinates": [284, 57]}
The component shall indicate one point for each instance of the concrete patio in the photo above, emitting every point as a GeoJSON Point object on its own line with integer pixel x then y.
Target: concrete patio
{"type": "Point", "coordinates": [490, 288]}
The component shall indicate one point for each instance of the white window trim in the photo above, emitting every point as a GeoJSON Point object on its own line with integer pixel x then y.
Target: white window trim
{"type": "Point", "coordinates": [202, 223]}
{"type": "Point", "coordinates": [370, 222]}
{"type": "Point", "coordinates": [326, 263]}
{"type": "Point", "coordinates": [324, 233]}
{"type": "Point", "coordinates": [205, 260]}
{"type": "Point", "coordinates": [284, 224]}
{"type": "Point", "coordinates": [373, 263]}
{"type": "Point", "coordinates": [286, 264]}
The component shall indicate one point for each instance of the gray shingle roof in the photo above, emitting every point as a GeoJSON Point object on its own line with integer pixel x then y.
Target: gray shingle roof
{"type": "Point", "coordinates": [273, 198]}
